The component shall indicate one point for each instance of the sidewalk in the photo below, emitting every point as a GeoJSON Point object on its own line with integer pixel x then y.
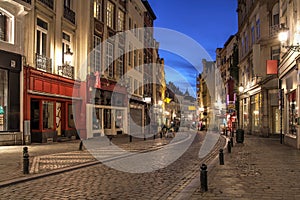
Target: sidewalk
{"type": "Point", "coordinates": [260, 168]}
{"type": "Point", "coordinates": [56, 157]}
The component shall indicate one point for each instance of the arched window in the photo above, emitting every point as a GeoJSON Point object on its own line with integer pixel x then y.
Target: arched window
{"type": "Point", "coordinates": [6, 26]}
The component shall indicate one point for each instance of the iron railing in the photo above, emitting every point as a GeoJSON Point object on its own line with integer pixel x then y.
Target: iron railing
{"type": "Point", "coordinates": [48, 3]}
{"type": "Point", "coordinates": [69, 14]}
{"type": "Point", "coordinates": [66, 71]}
{"type": "Point", "coordinates": [43, 63]}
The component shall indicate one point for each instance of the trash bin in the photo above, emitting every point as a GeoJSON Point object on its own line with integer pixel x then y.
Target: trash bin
{"type": "Point", "coordinates": [239, 136]}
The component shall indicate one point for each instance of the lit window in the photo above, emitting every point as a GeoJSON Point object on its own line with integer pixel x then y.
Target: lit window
{"type": "Point", "coordinates": [48, 115]}
{"type": "Point", "coordinates": [41, 37]}
{"type": "Point", "coordinates": [6, 26]}
{"type": "Point", "coordinates": [98, 9]}
{"type": "Point", "coordinates": [110, 15]}
{"type": "Point", "coordinates": [121, 20]}
{"type": "Point", "coordinates": [66, 44]}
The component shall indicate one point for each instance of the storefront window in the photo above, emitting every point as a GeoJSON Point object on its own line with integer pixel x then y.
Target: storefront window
{"type": "Point", "coordinates": [107, 118]}
{"type": "Point", "coordinates": [97, 116]}
{"type": "Point", "coordinates": [3, 100]}
{"type": "Point", "coordinates": [48, 114]}
{"type": "Point", "coordinates": [119, 118]}
{"type": "Point", "coordinates": [293, 112]}
{"type": "Point", "coordinates": [255, 109]}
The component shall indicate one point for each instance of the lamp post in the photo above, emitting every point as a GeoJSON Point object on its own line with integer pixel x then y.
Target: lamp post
{"type": "Point", "coordinates": [147, 100]}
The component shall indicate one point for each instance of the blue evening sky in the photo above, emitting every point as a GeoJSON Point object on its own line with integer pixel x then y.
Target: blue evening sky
{"type": "Point", "coordinates": [209, 22]}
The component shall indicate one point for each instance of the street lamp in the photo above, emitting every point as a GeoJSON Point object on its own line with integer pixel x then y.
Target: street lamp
{"type": "Point", "coordinates": [241, 88]}
{"type": "Point", "coordinates": [283, 37]}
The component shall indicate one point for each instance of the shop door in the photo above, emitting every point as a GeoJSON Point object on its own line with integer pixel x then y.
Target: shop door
{"type": "Point", "coordinates": [58, 119]}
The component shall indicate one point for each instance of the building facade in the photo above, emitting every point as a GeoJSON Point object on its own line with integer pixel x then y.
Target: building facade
{"type": "Point", "coordinates": [289, 74]}
{"type": "Point", "coordinates": [11, 60]}
{"type": "Point", "coordinates": [227, 87]}
{"type": "Point", "coordinates": [51, 66]}
{"type": "Point", "coordinates": [258, 26]}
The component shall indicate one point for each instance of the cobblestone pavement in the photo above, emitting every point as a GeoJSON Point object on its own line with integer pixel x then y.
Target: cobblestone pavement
{"type": "Point", "coordinates": [261, 168]}
{"type": "Point", "coordinates": [101, 182]}
{"type": "Point", "coordinates": [47, 157]}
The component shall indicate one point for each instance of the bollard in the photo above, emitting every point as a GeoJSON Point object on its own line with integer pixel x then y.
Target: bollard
{"type": "Point", "coordinates": [130, 138]}
{"type": "Point", "coordinates": [25, 161]}
{"type": "Point", "coordinates": [80, 145]}
{"type": "Point", "coordinates": [161, 134]}
{"type": "Point", "coordinates": [154, 136]}
{"type": "Point", "coordinates": [229, 147]}
{"type": "Point", "coordinates": [221, 157]}
{"type": "Point", "coordinates": [203, 178]}
{"type": "Point", "coordinates": [231, 141]}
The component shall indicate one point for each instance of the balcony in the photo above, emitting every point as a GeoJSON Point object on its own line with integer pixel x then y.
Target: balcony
{"type": "Point", "coordinates": [43, 63]}
{"type": "Point", "coordinates": [69, 14]}
{"type": "Point", "coordinates": [66, 71]}
{"type": "Point", "coordinates": [274, 30]}
{"type": "Point", "coordinates": [48, 3]}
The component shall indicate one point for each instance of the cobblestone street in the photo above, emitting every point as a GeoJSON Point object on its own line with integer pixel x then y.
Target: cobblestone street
{"type": "Point", "coordinates": [101, 182]}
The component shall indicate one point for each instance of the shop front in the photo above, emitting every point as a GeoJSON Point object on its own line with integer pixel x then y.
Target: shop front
{"type": "Point", "coordinates": [10, 68]}
{"type": "Point", "coordinates": [49, 106]}
{"type": "Point", "coordinates": [290, 98]}
{"type": "Point", "coordinates": [106, 108]}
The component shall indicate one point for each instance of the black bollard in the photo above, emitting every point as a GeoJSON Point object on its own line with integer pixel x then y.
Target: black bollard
{"type": "Point", "coordinates": [231, 141]}
{"type": "Point", "coordinates": [221, 157]}
{"type": "Point", "coordinates": [229, 147]}
{"type": "Point", "coordinates": [130, 138]}
{"type": "Point", "coordinates": [80, 145]}
{"type": "Point", "coordinates": [203, 178]}
{"type": "Point", "coordinates": [161, 134]}
{"type": "Point", "coordinates": [25, 161]}
{"type": "Point", "coordinates": [154, 136]}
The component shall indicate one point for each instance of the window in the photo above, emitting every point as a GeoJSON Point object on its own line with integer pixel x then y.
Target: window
{"type": "Point", "coordinates": [110, 15]}
{"type": "Point", "coordinates": [129, 24]}
{"type": "Point", "coordinates": [246, 43]}
{"type": "Point", "coordinates": [48, 114]}
{"type": "Point", "coordinates": [275, 14]}
{"type": "Point", "coordinates": [66, 43]}
{"type": "Point", "coordinates": [121, 20]}
{"type": "Point", "coordinates": [67, 3]}
{"type": "Point", "coordinates": [41, 37]}
{"type": "Point", "coordinates": [130, 54]}
{"type": "Point", "coordinates": [292, 112]}
{"type": "Point", "coordinates": [3, 100]}
{"type": "Point", "coordinates": [120, 68]}
{"type": "Point", "coordinates": [98, 9]}
{"type": "Point", "coordinates": [107, 118]}
{"type": "Point", "coordinates": [135, 64]}
{"type": "Point", "coordinates": [97, 118]}
{"type": "Point", "coordinates": [96, 55]}
{"type": "Point", "coordinates": [252, 34]}
{"type": "Point", "coordinates": [135, 86]}
{"type": "Point", "coordinates": [275, 53]}
{"type": "Point", "coordinates": [6, 26]}
{"type": "Point", "coordinates": [109, 59]}
{"type": "Point", "coordinates": [258, 28]}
